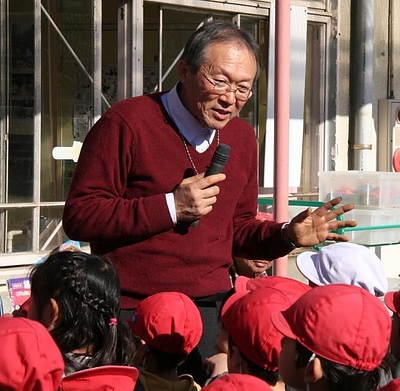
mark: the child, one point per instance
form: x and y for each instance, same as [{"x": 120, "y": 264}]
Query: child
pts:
[
  {"x": 30, "y": 360},
  {"x": 75, "y": 295},
  {"x": 169, "y": 326},
  {"x": 336, "y": 338},
  {"x": 287, "y": 290},
  {"x": 344, "y": 263},
  {"x": 250, "y": 267},
  {"x": 237, "y": 382},
  {"x": 392, "y": 300},
  {"x": 254, "y": 343}
]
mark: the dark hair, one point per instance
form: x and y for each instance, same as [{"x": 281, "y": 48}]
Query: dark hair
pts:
[
  {"x": 271, "y": 377},
  {"x": 343, "y": 377},
  {"x": 217, "y": 31},
  {"x": 87, "y": 290},
  {"x": 167, "y": 361}
]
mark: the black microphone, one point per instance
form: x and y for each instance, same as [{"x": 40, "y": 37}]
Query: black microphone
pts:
[{"x": 216, "y": 166}]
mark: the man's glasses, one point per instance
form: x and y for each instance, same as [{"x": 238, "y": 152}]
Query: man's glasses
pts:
[{"x": 242, "y": 93}]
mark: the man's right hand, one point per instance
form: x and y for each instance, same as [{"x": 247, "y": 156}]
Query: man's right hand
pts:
[{"x": 195, "y": 196}]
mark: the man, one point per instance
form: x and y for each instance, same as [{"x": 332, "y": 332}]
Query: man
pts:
[{"x": 139, "y": 183}]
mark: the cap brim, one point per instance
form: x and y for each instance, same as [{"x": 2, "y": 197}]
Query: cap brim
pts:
[
  {"x": 306, "y": 263},
  {"x": 280, "y": 323},
  {"x": 241, "y": 284},
  {"x": 389, "y": 301}
]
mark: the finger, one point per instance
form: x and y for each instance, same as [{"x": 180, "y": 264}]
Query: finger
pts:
[
  {"x": 333, "y": 202},
  {"x": 194, "y": 178},
  {"x": 212, "y": 180},
  {"x": 336, "y": 237},
  {"x": 334, "y": 213},
  {"x": 334, "y": 224}
]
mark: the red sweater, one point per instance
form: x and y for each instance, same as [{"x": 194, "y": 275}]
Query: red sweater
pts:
[{"x": 130, "y": 159}]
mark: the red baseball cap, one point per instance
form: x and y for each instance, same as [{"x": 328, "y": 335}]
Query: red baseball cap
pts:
[
  {"x": 237, "y": 382},
  {"x": 247, "y": 317},
  {"x": 392, "y": 300},
  {"x": 168, "y": 321},
  {"x": 243, "y": 283},
  {"x": 394, "y": 385},
  {"x": 341, "y": 323},
  {"x": 105, "y": 378},
  {"x": 31, "y": 359}
]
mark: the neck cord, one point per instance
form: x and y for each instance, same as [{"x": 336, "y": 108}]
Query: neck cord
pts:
[{"x": 188, "y": 153}]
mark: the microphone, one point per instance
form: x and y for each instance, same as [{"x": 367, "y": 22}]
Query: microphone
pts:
[{"x": 216, "y": 166}]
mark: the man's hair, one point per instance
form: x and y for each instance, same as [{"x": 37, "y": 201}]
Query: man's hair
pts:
[
  {"x": 342, "y": 377},
  {"x": 217, "y": 31}
]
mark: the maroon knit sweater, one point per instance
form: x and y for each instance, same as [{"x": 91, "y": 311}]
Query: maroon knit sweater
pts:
[{"x": 130, "y": 159}]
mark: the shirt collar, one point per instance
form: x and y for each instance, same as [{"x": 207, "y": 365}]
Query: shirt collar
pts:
[{"x": 188, "y": 125}]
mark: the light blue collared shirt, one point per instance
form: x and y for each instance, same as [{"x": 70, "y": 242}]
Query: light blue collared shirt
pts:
[{"x": 199, "y": 136}]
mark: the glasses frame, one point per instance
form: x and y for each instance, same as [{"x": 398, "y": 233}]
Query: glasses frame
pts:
[{"x": 223, "y": 88}]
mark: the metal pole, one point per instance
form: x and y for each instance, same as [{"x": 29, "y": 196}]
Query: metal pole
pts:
[{"x": 281, "y": 124}]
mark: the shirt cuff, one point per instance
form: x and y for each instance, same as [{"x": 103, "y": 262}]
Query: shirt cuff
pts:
[
  {"x": 169, "y": 197},
  {"x": 285, "y": 238}
]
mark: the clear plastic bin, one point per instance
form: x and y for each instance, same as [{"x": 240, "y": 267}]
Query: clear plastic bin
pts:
[
  {"x": 372, "y": 226},
  {"x": 365, "y": 188}
]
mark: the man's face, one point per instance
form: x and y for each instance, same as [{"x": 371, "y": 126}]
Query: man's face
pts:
[
  {"x": 228, "y": 62},
  {"x": 251, "y": 268}
]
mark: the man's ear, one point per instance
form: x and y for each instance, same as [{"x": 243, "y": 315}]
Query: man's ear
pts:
[
  {"x": 183, "y": 70},
  {"x": 51, "y": 315},
  {"x": 313, "y": 371}
]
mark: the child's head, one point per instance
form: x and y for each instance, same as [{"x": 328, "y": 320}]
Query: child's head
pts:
[
  {"x": 344, "y": 263},
  {"x": 249, "y": 267},
  {"x": 237, "y": 382},
  {"x": 392, "y": 300},
  {"x": 255, "y": 344},
  {"x": 30, "y": 360},
  {"x": 170, "y": 324},
  {"x": 76, "y": 296},
  {"x": 345, "y": 327}
]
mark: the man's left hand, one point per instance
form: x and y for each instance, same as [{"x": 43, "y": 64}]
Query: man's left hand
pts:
[{"x": 309, "y": 228}]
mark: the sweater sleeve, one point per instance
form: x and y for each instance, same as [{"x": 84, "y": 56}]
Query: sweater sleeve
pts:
[
  {"x": 97, "y": 207},
  {"x": 254, "y": 239}
]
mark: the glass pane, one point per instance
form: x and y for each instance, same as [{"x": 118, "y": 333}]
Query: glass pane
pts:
[
  {"x": 21, "y": 68},
  {"x": 51, "y": 232},
  {"x": 67, "y": 91},
  {"x": 19, "y": 230}
]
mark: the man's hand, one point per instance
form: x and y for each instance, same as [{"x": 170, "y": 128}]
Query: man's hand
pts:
[
  {"x": 195, "y": 196},
  {"x": 310, "y": 228}
]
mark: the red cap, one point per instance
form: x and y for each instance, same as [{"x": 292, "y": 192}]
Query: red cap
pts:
[
  {"x": 394, "y": 385},
  {"x": 243, "y": 283},
  {"x": 237, "y": 382},
  {"x": 169, "y": 322},
  {"x": 392, "y": 300},
  {"x": 247, "y": 317},
  {"x": 31, "y": 359},
  {"x": 341, "y": 323},
  {"x": 106, "y": 378}
]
